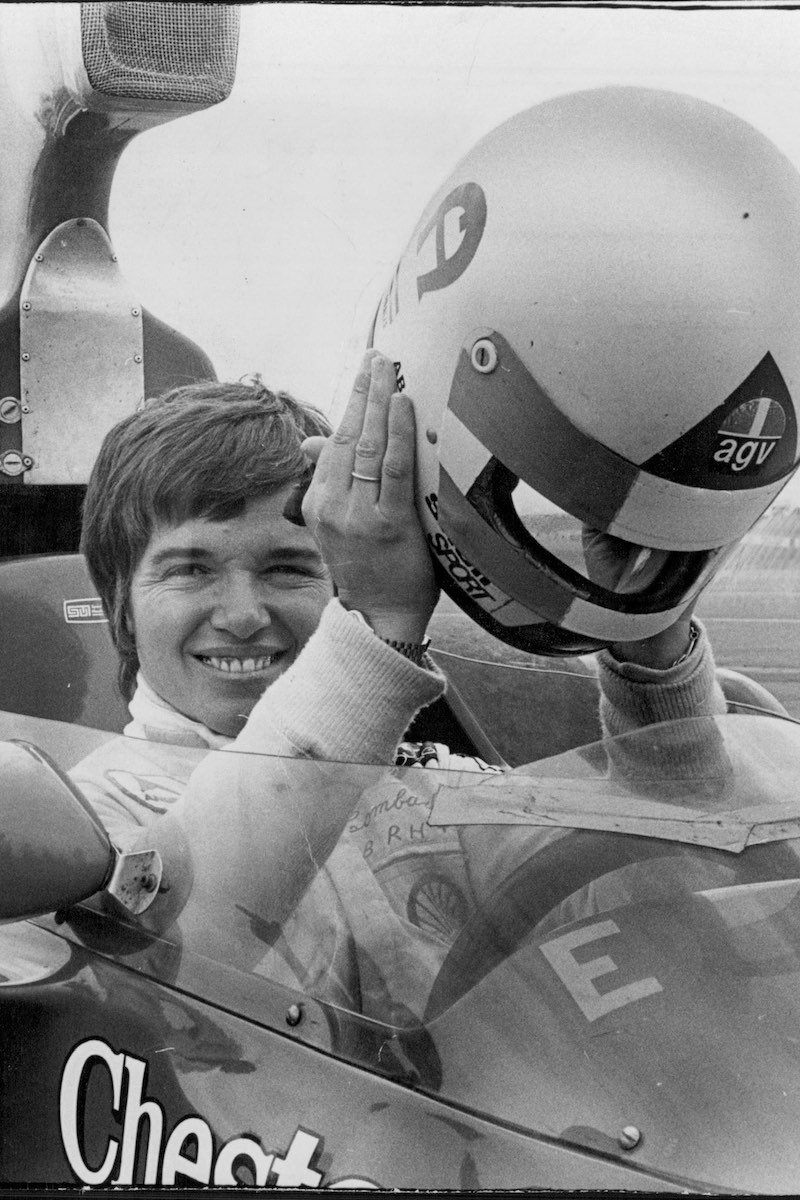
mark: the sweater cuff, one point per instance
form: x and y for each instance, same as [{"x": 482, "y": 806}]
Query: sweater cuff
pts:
[
  {"x": 349, "y": 697},
  {"x": 633, "y": 696}
]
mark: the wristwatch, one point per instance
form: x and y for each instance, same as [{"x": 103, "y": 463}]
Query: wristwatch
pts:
[
  {"x": 413, "y": 651},
  {"x": 694, "y": 634}
]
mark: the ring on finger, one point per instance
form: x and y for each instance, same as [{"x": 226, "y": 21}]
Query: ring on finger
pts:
[{"x": 366, "y": 478}]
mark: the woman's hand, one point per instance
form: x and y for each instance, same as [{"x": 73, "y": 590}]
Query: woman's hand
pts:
[{"x": 360, "y": 507}]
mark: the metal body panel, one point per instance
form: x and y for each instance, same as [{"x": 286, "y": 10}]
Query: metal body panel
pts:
[
  {"x": 191, "y": 1070},
  {"x": 81, "y": 351},
  {"x": 158, "y": 1059},
  {"x": 60, "y": 142}
]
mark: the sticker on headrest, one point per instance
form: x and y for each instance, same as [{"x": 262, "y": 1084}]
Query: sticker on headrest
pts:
[{"x": 84, "y": 612}]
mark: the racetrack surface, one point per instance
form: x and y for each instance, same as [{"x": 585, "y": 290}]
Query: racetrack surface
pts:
[
  {"x": 752, "y": 609},
  {"x": 754, "y": 627}
]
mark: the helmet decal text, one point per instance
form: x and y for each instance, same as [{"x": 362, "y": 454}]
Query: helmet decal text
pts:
[
  {"x": 469, "y": 197},
  {"x": 471, "y": 581},
  {"x": 399, "y": 377},
  {"x": 751, "y": 432},
  {"x": 747, "y": 441}
]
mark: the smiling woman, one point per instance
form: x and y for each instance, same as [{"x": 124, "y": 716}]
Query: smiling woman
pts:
[
  {"x": 211, "y": 590},
  {"x": 220, "y": 608}
]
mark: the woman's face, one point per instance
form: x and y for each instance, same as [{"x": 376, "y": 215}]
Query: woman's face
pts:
[{"x": 219, "y": 609}]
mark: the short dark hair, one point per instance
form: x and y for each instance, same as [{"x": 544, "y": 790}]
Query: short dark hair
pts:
[{"x": 202, "y": 450}]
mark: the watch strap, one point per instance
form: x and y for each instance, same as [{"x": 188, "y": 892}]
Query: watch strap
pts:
[
  {"x": 694, "y": 634},
  {"x": 414, "y": 651}
]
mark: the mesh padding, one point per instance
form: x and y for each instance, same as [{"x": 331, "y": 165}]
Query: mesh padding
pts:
[{"x": 161, "y": 52}]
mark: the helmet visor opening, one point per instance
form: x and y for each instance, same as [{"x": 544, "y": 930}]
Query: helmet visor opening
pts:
[{"x": 601, "y": 567}]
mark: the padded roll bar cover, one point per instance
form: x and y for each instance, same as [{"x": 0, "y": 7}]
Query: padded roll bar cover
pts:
[{"x": 57, "y": 660}]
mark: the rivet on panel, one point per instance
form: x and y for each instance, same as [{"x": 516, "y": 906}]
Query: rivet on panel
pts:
[
  {"x": 484, "y": 356},
  {"x": 294, "y": 1015},
  {"x": 9, "y": 410},
  {"x": 26, "y": 304},
  {"x": 629, "y": 1137},
  {"x": 12, "y": 463}
]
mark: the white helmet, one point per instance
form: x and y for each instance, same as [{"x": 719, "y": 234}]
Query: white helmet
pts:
[{"x": 598, "y": 318}]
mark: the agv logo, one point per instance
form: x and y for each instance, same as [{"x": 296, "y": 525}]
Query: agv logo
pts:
[
  {"x": 750, "y": 440},
  {"x": 749, "y": 434}
]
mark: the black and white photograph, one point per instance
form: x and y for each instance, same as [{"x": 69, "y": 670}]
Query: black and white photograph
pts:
[{"x": 400, "y": 598}]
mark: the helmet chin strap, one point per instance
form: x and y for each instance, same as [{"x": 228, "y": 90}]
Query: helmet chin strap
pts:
[
  {"x": 614, "y": 567},
  {"x": 538, "y": 637}
]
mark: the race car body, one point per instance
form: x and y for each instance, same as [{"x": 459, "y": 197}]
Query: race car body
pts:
[
  {"x": 572, "y": 968},
  {"x": 578, "y": 974}
]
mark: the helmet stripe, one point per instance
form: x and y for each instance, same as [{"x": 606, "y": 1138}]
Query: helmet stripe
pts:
[
  {"x": 517, "y": 422},
  {"x": 494, "y": 558},
  {"x": 511, "y": 416},
  {"x": 544, "y": 597},
  {"x": 604, "y": 623},
  {"x": 462, "y": 455},
  {"x": 672, "y": 516}
]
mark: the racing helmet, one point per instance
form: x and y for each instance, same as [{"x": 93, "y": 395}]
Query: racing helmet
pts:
[{"x": 598, "y": 320}]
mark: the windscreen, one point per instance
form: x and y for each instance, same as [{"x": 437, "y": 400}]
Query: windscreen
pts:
[{"x": 602, "y": 947}]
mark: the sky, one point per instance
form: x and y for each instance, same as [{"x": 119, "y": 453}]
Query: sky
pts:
[{"x": 267, "y": 227}]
